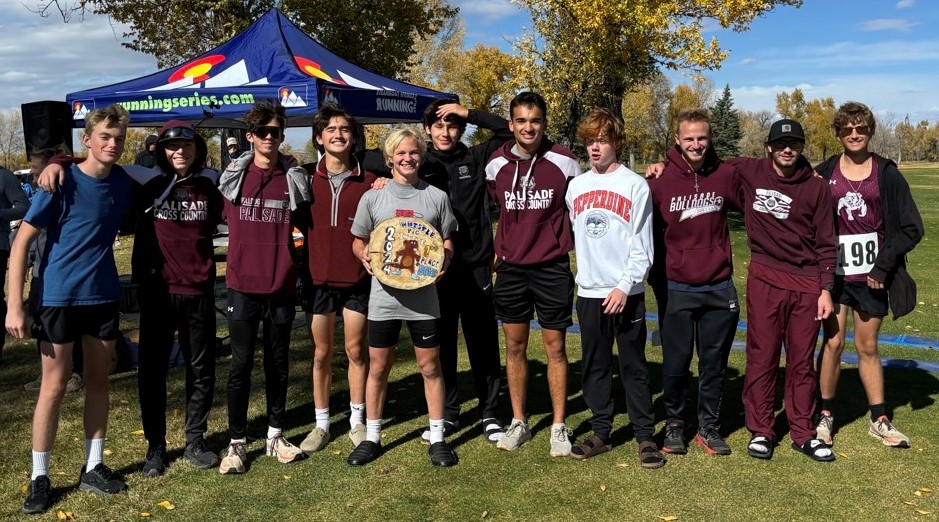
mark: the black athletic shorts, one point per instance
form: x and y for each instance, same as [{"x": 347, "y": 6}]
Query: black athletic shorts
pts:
[
  {"x": 67, "y": 324},
  {"x": 861, "y": 298},
  {"x": 546, "y": 289},
  {"x": 323, "y": 300},
  {"x": 384, "y": 334}
]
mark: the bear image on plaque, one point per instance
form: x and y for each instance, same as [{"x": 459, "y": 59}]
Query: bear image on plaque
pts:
[{"x": 406, "y": 252}]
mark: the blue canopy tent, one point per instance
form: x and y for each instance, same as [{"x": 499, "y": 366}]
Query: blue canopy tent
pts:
[{"x": 272, "y": 58}]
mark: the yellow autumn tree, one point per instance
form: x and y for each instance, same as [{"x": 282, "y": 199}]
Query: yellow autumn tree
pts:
[{"x": 583, "y": 53}]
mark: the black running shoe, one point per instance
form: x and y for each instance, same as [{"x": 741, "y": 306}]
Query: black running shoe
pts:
[
  {"x": 674, "y": 442},
  {"x": 709, "y": 439},
  {"x": 364, "y": 453},
  {"x": 37, "y": 495},
  {"x": 199, "y": 455},
  {"x": 101, "y": 480},
  {"x": 155, "y": 464}
]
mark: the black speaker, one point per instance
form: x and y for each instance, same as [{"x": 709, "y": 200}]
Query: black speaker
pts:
[{"x": 47, "y": 125}]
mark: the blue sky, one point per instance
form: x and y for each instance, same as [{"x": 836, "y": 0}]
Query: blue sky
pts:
[{"x": 880, "y": 52}]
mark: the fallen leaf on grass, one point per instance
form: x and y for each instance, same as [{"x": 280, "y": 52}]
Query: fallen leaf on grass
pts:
[
  {"x": 622, "y": 465},
  {"x": 842, "y": 454},
  {"x": 485, "y": 514},
  {"x": 926, "y": 490},
  {"x": 918, "y": 493},
  {"x": 175, "y": 413},
  {"x": 922, "y": 512},
  {"x": 60, "y": 473},
  {"x": 144, "y": 514},
  {"x": 107, "y": 452},
  {"x": 908, "y": 503},
  {"x": 337, "y": 452},
  {"x": 286, "y": 477},
  {"x": 24, "y": 489},
  {"x": 166, "y": 504},
  {"x": 138, "y": 433},
  {"x": 668, "y": 518},
  {"x": 65, "y": 515},
  {"x": 602, "y": 488}
]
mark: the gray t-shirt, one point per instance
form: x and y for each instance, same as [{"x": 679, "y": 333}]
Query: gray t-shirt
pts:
[{"x": 423, "y": 201}]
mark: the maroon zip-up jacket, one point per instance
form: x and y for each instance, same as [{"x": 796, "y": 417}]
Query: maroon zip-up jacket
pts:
[
  {"x": 692, "y": 207},
  {"x": 788, "y": 220},
  {"x": 329, "y": 240}
]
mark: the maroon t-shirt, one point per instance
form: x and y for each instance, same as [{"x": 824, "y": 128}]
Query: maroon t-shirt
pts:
[
  {"x": 860, "y": 223},
  {"x": 261, "y": 256}
]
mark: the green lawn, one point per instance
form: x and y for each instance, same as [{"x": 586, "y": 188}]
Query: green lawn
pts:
[{"x": 868, "y": 481}]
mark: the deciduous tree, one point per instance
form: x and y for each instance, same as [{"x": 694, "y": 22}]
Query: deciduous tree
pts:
[
  {"x": 378, "y": 36},
  {"x": 583, "y": 53}
]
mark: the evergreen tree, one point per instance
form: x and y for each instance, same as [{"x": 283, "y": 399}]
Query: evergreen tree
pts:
[{"x": 725, "y": 126}]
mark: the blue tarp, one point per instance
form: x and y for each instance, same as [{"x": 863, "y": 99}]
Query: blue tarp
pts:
[{"x": 272, "y": 58}]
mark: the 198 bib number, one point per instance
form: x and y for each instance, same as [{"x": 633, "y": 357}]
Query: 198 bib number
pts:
[{"x": 856, "y": 254}]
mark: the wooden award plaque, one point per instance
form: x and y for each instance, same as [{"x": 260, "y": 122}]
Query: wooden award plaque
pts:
[{"x": 406, "y": 252}]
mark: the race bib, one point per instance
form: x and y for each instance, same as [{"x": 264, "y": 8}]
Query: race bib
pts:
[{"x": 856, "y": 254}]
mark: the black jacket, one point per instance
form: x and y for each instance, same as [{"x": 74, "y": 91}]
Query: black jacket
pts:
[
  {"x": 903, "y": 229},
  {"x": 461, "y": 173}
]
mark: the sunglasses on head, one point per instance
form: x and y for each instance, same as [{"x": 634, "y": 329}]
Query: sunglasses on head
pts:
[
  {"x": 178, "y": 133},
  {"x": 263, "y": 132}
]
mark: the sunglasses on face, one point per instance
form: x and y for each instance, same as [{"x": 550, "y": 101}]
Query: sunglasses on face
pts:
[
  {"x": 784, "y": 144},
  {"x": 862, "y": 130},
  {"x": 263, "y": 132},
  {"x": 178, "y": 133}
]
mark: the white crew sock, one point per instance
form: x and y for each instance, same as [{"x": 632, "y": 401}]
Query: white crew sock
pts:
[
  {"x": 322, "y": 418},
  {"x": 356, "y": 414},
  {"x": 40, "y": 464},
  {"x": 94, "y": 453},
  {"x": 239, "y": 441},
  {"x": 436, "y": 430},
  {"x": 273, "y": 432},
  {"x": 373, "y": 430}
]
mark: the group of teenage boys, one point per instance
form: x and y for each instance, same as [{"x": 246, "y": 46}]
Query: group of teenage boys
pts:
[{"x": 547, "y": 208}]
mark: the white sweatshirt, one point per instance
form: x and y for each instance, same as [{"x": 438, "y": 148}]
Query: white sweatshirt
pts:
[{"x": 611, "y": 216}]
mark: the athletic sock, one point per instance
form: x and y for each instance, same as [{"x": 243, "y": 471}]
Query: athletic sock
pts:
[
  {"x": 356, "y": 414},
  {"x": 322, "y": 418},
  {"x": 436, "y": 430},
  {"x": 523, "y": 421},
  {"x": 828, "y": 405},
  {"x": 373, "y": 430},
  {"x": 878, "y": 411},
  {"x": 40, "y": 464},
  {"x": 242, "y": 440},
  {"x": 273, "y": 432},
  {"x": 94, "y": 453}
]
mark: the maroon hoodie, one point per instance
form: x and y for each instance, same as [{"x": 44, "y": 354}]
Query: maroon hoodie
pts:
[
  {"x": 261, "y": 256},
  {"x": 534, "y": 225},
  {"x": 329, "y": 241},
  {"x": 788, "y": 220},
  {"x": 692, "y": 207}
]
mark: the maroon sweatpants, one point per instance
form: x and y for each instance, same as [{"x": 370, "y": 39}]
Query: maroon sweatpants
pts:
[{"x": 776, "y": 316}]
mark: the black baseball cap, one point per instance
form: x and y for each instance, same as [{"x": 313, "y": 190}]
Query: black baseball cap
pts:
[{"x": 786, "y": 129}]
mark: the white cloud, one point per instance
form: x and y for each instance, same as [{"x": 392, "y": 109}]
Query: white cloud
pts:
[
  {"x": 905, "y": 4},
  {"x": 888, "y": 24},
  {"x": 748, "y": 61},
  {"x": 44, "y": 59}
]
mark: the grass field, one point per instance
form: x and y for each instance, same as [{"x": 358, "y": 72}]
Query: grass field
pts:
[{"x": 868, "y": 481}]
